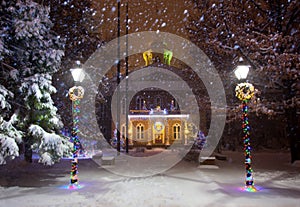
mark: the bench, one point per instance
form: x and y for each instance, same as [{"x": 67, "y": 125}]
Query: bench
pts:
[
  {"x": 207, "y": 160},
  {"x": 97, "y": 156},
  {"x": 221, "y": 157},
  {"x": 108, "y": 160}
]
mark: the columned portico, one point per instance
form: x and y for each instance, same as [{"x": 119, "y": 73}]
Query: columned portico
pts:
[{"x": 158, "y": 129}]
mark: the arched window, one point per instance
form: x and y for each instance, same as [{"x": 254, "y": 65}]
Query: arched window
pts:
[
  {"x": 174, "y": 105},
  {"x": 140, "y": 131},
  {"x": 158, "y": 102},
  {"x": 139, "y": 103},
  {"x": 176, "y": 131}
]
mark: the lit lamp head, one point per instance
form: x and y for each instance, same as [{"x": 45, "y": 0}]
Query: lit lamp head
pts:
[
  {"x": 241, "y": 71},
  {"x": 76, "y": 92},
  {"x": 77, "y": 73}
]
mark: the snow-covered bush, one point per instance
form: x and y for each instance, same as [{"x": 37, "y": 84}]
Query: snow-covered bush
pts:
[
  {"x": 9, "y": 137},
  {"x": 51, "y": 147},
  {"x": 8, "y": 147}
]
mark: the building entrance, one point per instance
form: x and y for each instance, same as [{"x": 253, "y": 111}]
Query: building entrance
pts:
[{"x": 159, "y": 138}]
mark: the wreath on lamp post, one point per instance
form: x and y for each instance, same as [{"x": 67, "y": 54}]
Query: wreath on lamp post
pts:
[
  {"x": 76, "y": 93},
  {"x": 244, "y": 91}
]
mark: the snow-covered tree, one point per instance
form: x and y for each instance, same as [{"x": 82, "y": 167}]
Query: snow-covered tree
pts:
[
  {"x": 74, "y": 20},
  {"x": 10, "y": 137},
  {"x": 31, "y": 55},
  {"x": 266, "y": 34},
  {"x": 43, "y": 118}
]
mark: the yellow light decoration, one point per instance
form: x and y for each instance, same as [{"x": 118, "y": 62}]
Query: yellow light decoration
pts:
[
  {"x": 147, "y": 55},
  {"x": 76, "y": 93},
  {"x": 244, "y": 91}
]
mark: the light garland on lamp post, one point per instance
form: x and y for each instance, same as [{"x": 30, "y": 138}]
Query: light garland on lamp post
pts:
[
  {"x": 76, "y": 94},
  {"x": 244, "y": 92}
]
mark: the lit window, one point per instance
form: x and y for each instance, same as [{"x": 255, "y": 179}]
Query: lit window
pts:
[
  {"x": 176, "y": 131},
  {"x": 140, "y": 131}
]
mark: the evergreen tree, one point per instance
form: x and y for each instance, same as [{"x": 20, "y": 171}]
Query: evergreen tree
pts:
[
  {"x": 10, "y": 137},
  {"x": 78, "y": 22},
  {"x": 32, "y": 54}
]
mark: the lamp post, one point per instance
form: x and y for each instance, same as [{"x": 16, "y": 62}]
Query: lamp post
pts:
[
  {"x": 245, "y": 91},
  {"x": 76, "y": 94}
]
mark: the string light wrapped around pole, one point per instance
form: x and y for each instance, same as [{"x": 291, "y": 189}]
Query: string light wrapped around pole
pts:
[
  {"x": 244, "y": 92},
  {"x": 76, "y": 94}
]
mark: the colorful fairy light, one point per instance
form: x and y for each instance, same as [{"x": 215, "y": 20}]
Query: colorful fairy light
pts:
[
  {"x": 75, "y": 93},
  {"x": 245, "y": 91},
  {"x": 247, "y": 146}
]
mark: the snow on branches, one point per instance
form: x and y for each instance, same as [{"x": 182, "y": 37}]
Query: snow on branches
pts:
[
  {"x": 37, "y": 91},
  {"x": 51, "y": 147},
  {"x": 28, "y": 38},
  {"x": 266, "y": 34},
  {"x": 30, "y": 53},
  {"x": 4, "y": 93},
  {"x": 9, "y": 137}
]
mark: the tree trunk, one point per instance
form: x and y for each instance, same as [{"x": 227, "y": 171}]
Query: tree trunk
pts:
[
  {"x": 292, "y": 121},
  {"x": 27, "y": 150},
  {"x": 292, "y": 132}
]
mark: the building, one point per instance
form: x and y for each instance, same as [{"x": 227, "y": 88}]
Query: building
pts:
[{"x": 155, "y": 120}]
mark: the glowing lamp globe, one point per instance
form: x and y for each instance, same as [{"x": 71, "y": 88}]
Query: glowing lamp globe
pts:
[
  {"x": 78, "y": 74},
  {"x": 241, "y": 71}
]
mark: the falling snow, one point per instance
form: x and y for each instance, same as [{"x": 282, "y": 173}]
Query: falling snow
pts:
[{"x": 217, "y": 30}]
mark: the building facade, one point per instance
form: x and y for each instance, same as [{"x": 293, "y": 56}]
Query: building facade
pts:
[
  {"x": 156, "y": 128},
  {"x": 154, "y": 120}
]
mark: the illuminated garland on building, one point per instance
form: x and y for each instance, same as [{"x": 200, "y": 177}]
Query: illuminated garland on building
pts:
[
  {"x": 245, "y": 91},
  {"x": 75, "y": 93}
]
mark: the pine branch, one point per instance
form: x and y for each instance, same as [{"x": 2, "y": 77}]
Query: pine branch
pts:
[{"x": 8, "y": 66}]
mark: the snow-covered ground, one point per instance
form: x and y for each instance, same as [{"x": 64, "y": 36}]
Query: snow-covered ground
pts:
[{"x": 185, "y": 184}]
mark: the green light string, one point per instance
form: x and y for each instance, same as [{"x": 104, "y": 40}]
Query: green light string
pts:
[
  {"x": 247, "y": 146},
  {"x": 76, "y": 142}
]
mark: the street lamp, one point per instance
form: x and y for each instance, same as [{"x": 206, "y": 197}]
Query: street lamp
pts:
[
  {"x": 245, "y": 91},
  {"x": 76, "y": 94},
  {"x": 241, "y": 71}
]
